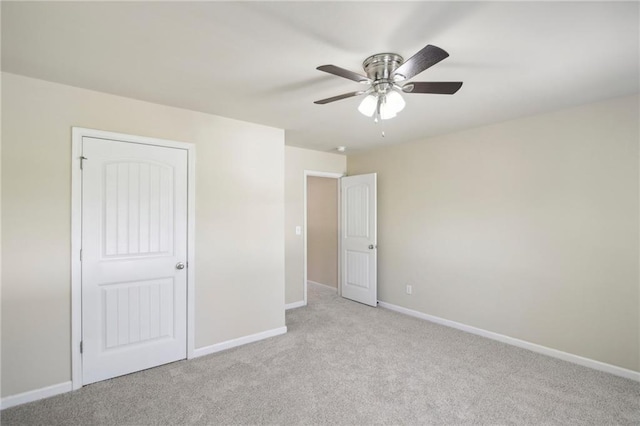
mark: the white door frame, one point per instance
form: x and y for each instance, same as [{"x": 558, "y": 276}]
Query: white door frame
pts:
[
  {"x": 76, "y": 237},
  {"x": 332, "y": 175}
]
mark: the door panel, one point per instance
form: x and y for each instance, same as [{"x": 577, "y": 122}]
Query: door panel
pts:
[
  {"x": 134, "y": 232},
  {"x": 357, "y": 205},
  {"x": 137, "y": 312},
  {"x": 138, "y": 209},
  {"x": 359, "y": 250},
  {"x": 357, "y": 268}
]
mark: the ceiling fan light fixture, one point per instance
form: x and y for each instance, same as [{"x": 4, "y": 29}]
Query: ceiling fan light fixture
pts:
[
  {"x": 390, "y": 104},
  {"x": 368, "y": 105}
]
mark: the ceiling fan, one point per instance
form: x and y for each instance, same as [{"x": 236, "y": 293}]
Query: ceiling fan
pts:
[{"x": 385, "y": 73}]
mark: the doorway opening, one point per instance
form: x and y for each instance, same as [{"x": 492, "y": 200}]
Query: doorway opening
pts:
[
  {"x": 356, "y": 230},
  {"x": 321, "y": 230}
]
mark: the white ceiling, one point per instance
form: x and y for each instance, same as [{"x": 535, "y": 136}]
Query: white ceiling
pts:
[{"x": 255, "y": 61}]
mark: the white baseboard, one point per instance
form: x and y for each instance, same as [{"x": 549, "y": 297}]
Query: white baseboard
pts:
[
  {"x": 323, "y": 285},
  {"x": 238, "y": 342},
  {"x": 294, "y": 305},
  {"x": 565, "y": 356},
  {"x": 34, "y": 395}
]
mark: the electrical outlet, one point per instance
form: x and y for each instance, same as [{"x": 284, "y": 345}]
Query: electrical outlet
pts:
[{"x": 409, "y": 289}]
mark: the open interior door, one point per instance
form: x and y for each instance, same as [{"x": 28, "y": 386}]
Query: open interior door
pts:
[{"x": 359, "y": 238}]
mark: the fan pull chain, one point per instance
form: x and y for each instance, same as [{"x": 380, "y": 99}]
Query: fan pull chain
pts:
[{"x": 376, "y": 120}]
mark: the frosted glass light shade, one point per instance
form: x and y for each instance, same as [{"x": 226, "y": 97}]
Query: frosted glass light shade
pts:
[
  {"x": 386, "y": 112},
  {"x": 368, "y": 105},
  {"x": 395, "y": 101}
]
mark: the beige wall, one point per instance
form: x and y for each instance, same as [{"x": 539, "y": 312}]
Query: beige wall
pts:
[
  {"x": 239, "y": 211},
  {"x": 322, "y": 230},
  {"x": 527, "y": 228},
  {"x": 297, "y": 160}
]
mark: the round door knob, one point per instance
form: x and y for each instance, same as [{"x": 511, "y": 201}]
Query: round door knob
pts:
[{"x": 180, "y": 265}]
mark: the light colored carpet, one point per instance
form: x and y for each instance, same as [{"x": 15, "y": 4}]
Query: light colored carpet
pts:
[{"x": 346, "y": 363}]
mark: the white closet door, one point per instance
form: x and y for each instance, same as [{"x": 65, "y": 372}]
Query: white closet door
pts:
[{"x": 134, "y": 251}]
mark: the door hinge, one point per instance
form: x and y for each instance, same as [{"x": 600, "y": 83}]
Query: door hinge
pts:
[
  {"x": 80, "y": 255},
  {"x": 81, "y": 346},
  {"x": 82, "y": 158}
]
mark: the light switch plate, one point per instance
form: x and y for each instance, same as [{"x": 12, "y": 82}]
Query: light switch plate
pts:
[{"x": 298, "y": 230}]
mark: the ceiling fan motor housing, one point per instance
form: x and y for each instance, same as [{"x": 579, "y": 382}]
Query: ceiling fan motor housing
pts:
[{"x": 380, "y": 68}]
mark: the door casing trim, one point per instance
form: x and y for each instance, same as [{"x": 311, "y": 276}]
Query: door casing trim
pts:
[{"x": 77, "y": 133}]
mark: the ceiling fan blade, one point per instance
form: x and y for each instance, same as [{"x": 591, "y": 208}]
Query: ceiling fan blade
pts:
[
  {"x": 437, "y": 87},
  {"x": 425, "y": 58},
  {"x": 339, "y": 97},
  {"x": 341, "y": 72}
]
